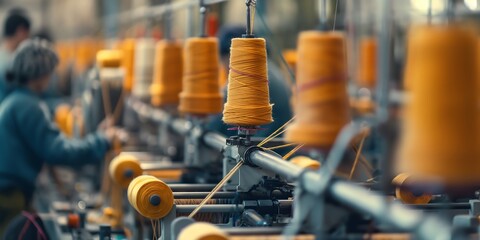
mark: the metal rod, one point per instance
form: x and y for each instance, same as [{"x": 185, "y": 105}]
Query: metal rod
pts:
[
  {"x": 141, "y": 13},
  {"x": 322, "y": 11},
  {"x": 168, "y": 24},
  {"x": 156, "y": 166},
  {"x": 429, "y": 13},
  {"x": 358, "y": 198},
  {"x": 203, "y": 19},
  {"x": 449, "y": 10},
  {"x": 393, "y": 214},
  {"x": 277, "y": 165},
  {"x": 191, "y": 187},
  {"x": 250, "y": 231},
  {"x": 249, "y": 26},
  {"x": 212, "y": 208},
  {"x": 214, "y": 140},
  {"x": 442, "y": 206},
  {"x": 383, "y": 70},
  {"x": 202, "y": 195},
  {"x": 180, "y": 126}
]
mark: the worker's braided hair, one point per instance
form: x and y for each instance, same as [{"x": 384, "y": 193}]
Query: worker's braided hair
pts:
[{"x": 32, "y": 60}]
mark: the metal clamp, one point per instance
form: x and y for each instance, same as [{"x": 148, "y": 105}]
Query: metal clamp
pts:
[{"x": 246, "y": 155}]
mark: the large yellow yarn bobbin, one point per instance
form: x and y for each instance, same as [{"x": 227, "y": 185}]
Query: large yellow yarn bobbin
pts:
[
  {"x": 167, "y": 79},
  {"x": 202, "y": 231},
  {"x": 201, "y": 89},
  {"x": 440, "y": 140},
  {"x": 151, "y": 197},
  {"x": 248, "y": 100},
  {"x": 124, "y": 168},
  {"x": 322, "y": 104}
]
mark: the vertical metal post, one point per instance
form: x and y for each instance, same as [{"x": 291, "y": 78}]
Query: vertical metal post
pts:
[
  {"x": 382, "y": 91},
  {"x": 384, "y": 60},
  {"x": 322, "y": 12},
  {"x": 429, "y": 13},
  {"x": 203, "y": 19},
  {"x": 190, "y": 21},
  {"x": 167, "y": 27},
  {"x": 110, "y": 10},
  {"x": 449, "y": 10}
]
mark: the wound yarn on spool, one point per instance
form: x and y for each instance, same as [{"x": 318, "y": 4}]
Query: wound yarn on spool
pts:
[
  {"x": 439, "y": 139},
  {"x": 248, "y": 100},
  {"x": 151, "y": 197},
  {"x": 306, "y": 162},
  {"x": 367, "y": 66},
  {"x": 202, "y": 231},
  {"x": 144, "y": 57},
  {"x": 124, "y": 168},
  {"x": 167, "y": 80},
  {"x": 406, "y": 196},
  {"x": 201, "y": 90},
  {"x": 322, "y": 104},
  {"x": 128, "y": 50}
]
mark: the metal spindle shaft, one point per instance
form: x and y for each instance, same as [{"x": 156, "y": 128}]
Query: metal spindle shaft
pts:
[{"x": 358, "y": 198}]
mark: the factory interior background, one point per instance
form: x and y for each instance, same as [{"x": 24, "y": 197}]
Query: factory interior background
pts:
[{"x": 239, "y": 119}]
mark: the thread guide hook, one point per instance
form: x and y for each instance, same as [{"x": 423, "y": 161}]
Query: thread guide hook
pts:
[{"x": 251, "y": 4}]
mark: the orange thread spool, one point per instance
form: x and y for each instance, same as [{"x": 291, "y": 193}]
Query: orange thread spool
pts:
[
  {"x": 440, "y": 134},
  {"x": 367, "y": 72},
  {"x": 407, "y": 196},
  {"x": 291, "y": 58},
  {"x": 109, "y": 58},
  {"x": 167, "y": 79},
  {"x": 201, "y": 89},
  {"x": 63, "y": 55},
  {"x": 128, "y": 49},
  {"x": 141, "y": 191},
  {"x": 61, "y": 116},
  {"x": 322, "y": 101},
  {"x": 124, "y": 168},
  {"x": 248, "y": 100},
  {"x": 202, "y": 231},
  {"x": 81, "y": 56}
]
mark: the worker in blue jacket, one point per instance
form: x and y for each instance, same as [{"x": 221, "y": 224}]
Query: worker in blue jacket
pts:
[{"x": 29, "y": 138}]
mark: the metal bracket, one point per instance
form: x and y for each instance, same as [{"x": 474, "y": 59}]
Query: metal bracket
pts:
[
  {"x": 334, "y": 159},
  {"x": 179, "y": 224}
]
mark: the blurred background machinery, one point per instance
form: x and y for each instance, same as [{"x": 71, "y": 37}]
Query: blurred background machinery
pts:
[{"x": 375, "y": 130}]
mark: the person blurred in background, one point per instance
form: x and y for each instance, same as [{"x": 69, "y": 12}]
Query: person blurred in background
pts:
[
  {"x": 56, "y": 93},
  {"x": 28, "y": 137},
  {"x": 280, "y": 93},
  {"x": 16, "y": 29}
]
